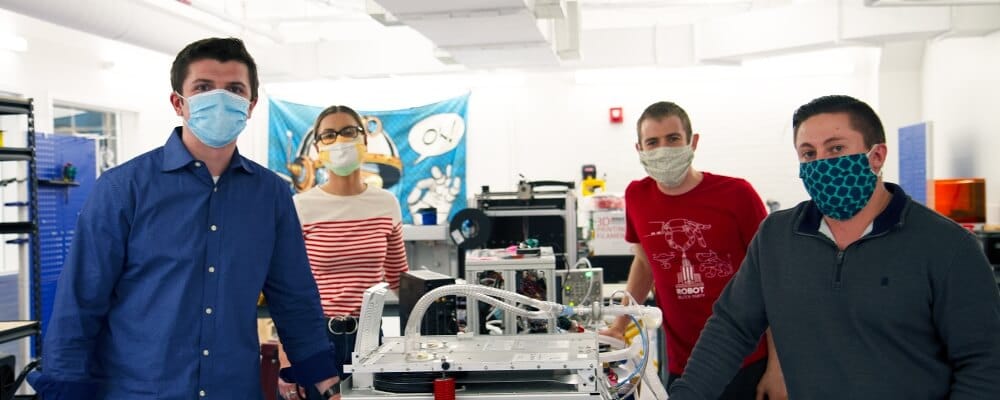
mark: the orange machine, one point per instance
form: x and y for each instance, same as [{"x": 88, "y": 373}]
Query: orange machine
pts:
[{"x": 962, "y": 200}]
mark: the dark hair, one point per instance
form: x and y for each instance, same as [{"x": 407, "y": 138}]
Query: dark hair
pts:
[
  {"x": 334, "y": 110},
  {"x": 661, "y": 110},
  {"x": 219, "y": 49},
  {"x": 862, "y": 118}
]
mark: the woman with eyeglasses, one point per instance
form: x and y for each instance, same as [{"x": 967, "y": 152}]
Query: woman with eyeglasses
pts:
[{"x": 353, "y": 234}]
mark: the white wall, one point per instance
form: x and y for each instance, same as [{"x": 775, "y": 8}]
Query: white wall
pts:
[
  {"x": 68, "y": 66},
  {"x": 546, "y": 125},
  {"x": 900, "y": 95},
  {"x": 962, "y": 98},
  {"x": 64, "y": 65}
]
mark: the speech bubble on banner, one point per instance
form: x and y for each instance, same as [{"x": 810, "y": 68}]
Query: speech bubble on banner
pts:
[{"x": 436, "y": 135}]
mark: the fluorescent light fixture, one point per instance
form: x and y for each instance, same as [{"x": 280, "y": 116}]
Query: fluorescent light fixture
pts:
[
  {"x": 923, "y": 3},
  {"x": 12, "y": 42},
  {"x": 380, "y": 14},
  {"x": 552, "y": 9},
  {"x": 444, "y": 57}
]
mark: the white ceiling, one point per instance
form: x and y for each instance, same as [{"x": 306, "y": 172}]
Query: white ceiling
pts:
[
  {"x": 301, "y": 21},
  {"x": 297, "y": 40}
]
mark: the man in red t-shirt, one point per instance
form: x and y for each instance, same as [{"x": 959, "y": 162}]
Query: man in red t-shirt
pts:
[{"x": 690, "y": 231}]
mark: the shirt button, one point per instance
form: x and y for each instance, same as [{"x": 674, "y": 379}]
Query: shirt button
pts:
[
  {"x": 211, "y": 269},
  {"x": 204, "y": 352},
  {"x": 213, "y": 228},
  {"x": 215, "y": 188},
  {"x": 201, "y": 393},
  {"x": 208, "y": 310},
  {"x": 197, "y": 164}
]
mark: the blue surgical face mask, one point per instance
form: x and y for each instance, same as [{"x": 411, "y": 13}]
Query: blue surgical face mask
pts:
[
  {"x": 217, "y": 117},
  {"x": 839, "y": 186}
]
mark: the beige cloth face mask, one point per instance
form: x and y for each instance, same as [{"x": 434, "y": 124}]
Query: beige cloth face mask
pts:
[{"x": 667, "y": 165}]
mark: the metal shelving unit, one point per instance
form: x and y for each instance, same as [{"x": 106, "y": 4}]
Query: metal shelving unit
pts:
[{"x": 32, "y": 268}]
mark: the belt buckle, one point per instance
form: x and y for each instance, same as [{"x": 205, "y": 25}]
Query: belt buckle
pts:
[{"x": 342, "y": 319}]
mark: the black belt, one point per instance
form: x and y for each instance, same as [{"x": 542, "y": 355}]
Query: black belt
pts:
[{"x": 342, "y": 325}]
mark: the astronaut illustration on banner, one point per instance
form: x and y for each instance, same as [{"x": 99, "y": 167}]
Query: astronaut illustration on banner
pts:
[{"x": 418, "y": 154}]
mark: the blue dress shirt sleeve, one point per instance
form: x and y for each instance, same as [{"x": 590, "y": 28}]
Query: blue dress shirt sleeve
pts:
[
  {"x": 84, "y": 294},
  {"x": 293, "y": 301}
]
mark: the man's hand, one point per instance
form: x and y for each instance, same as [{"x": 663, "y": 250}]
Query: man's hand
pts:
[
  {"x": 290, "y": 391},
  {"x": 772, "y": 384},
  {"x": 321, "y": 386},
  {"x": 613, "y": 333}
]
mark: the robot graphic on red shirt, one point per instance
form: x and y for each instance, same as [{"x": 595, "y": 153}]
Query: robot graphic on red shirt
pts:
[{"x": 682, "y": 234}]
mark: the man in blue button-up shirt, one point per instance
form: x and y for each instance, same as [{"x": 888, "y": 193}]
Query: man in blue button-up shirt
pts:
[{"x": 157, "y": 299}]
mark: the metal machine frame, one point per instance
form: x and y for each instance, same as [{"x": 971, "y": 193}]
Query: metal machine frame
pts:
[
  {"x": 547, "y": 366},
  {"x": 483, "y": 260}
]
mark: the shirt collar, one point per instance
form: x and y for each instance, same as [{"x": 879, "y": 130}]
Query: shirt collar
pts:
[
  {"x": 811, "y": 218},
  {"x": 893, "y": 213},
  {"x": 824, "y": 228},
  {"x": 177, "y": 156}
]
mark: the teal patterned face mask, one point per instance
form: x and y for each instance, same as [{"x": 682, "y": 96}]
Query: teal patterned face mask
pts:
[{"x": 839, "y": 186}]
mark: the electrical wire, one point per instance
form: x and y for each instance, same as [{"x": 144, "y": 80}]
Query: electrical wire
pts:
[
  {"x": 631, "y": 299},
  {"x": 5, "y": 182},
  {"x": 546, "y": 310},
  {"x": 492, "y": 279},
  {"x": 24, "y": 374},
  {"x": 646, "y": 380},
  {"x": 590, "y": 289},
  {"x": 614, "y": 392},
  {"x": 494, "y": 327},
  {"x": 641, "y": 366},
  {"x": 626, "y": 294}
]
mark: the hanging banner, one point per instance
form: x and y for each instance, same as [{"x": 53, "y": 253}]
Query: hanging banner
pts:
[{"x": 418, "y": 153}]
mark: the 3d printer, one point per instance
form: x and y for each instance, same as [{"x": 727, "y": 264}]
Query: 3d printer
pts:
[{"x": 543, "y": 210}]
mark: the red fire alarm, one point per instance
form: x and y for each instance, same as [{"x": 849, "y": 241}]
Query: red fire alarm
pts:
[{"x": 615, "y": 115}]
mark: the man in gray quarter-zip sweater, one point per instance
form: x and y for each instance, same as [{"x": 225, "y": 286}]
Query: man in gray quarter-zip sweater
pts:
[{"x": 868, "y": 294}]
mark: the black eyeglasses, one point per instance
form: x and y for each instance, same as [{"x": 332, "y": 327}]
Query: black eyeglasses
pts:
[{"x": 329, "y": 136}]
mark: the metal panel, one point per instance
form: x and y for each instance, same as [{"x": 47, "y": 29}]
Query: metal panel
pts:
[
  {"x": 58, "y": 206},
  {"x": 916, "y": 153},
  {"x": 568, "y": 351},
  {"x": 489, "y": 29},
  {"x": 402, "y": 7},
  {"x": 49, "y": 240},
  {"x": 486, "y": 33}
]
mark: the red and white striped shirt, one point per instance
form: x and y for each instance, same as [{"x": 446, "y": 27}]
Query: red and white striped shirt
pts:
[{"x": 353, "y": 242}]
